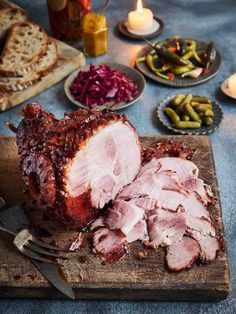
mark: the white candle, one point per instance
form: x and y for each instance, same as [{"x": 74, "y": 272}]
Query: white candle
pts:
[
  {"x": 140, "y": 19},
  {"x": 232, "y": 84}
]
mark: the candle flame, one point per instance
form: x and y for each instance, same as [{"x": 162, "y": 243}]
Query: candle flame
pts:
[{"x": 139, "y": 6}]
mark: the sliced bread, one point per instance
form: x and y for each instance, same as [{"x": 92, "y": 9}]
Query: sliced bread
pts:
[
  {"x": 18, "y": 83},
  {"x": 25, "y": 45},
  {"x": 9, "y": 15},
  {"x": 47, "y": 61}
]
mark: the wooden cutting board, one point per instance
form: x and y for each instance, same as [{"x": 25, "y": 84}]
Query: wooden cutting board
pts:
[
  {"x": 70, "y": 59},
  {"x": 130, "y": 278}
]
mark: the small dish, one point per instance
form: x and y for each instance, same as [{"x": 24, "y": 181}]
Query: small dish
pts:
[
  {"x": 133, "y": 74},
  {"x": 124, "y": 31},
  {"x": 225, "y": 90},
  {"x": 178, "y": 81},
  {"x": 203, "y": 130}
]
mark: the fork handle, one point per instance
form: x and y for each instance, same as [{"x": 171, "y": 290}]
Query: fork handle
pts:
[{"x": 7, "y": 231}]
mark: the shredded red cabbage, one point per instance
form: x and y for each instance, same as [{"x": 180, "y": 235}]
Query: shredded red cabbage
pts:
[{"x": 103, "y": 84}]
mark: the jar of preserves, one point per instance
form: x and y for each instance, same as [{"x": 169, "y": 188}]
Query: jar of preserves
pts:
[
  {"x": 66, "y": 17},
  {"x": 95, "y": 34}
]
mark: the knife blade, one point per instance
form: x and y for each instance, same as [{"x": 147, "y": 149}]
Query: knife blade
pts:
[{"x": 15, "y": 219}]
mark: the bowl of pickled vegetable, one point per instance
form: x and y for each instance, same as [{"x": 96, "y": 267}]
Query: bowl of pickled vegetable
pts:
[
  {"x": 179, "y": 62},
  {"x": 190, "y": 114}
]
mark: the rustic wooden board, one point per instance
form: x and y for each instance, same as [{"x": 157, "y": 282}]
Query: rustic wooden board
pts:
[
  {"x": 130, "y": 278},
  {"x": 70, "y": 59}
]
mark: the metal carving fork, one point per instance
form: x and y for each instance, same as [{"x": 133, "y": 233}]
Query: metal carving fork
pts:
[{"x": 32, "y": 247}]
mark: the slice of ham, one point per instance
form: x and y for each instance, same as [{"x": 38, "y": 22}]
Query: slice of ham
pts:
[
  {"x": 182, "y": 254},
  {"x": 98, "y": 223},
  {"x": 209, "y": 244},
  {"x": 203, "y": 190},
  {"x": 166, "y": 227},
  {"x": 150, "y": 181},
  {"x": 191, "y": 203},
  {"x": 110, "y": 245},
  {"x": 182, "y": 167},
  {"x": 139, "y": 232},
  {"x": 124, "y": 215}
]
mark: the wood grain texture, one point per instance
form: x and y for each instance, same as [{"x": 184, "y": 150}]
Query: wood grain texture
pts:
[
  {"x": 70, "y": 59},
  {"x": 130, "y": 278}
]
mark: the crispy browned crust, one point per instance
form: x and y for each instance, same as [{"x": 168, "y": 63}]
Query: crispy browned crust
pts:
[{"x": 21, "y": 70}]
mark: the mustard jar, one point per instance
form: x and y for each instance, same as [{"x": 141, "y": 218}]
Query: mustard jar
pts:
[{"x": 95, "y": 34}]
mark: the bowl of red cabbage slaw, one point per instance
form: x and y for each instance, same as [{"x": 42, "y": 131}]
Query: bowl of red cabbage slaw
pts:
[{"x": 107, "y": 85}]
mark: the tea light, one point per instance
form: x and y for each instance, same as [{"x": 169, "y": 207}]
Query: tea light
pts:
[
  {"x": 229, "y": 86},
  {"x": 141, "y": 21},
  {"x": 232, "y": 84}
]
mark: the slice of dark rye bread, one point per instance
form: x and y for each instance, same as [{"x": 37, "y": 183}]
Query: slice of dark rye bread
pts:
[
  {"x": 43, "y": 66},
  {"x": 26, "y": 43},
  {"x": 9, "y": 15}
]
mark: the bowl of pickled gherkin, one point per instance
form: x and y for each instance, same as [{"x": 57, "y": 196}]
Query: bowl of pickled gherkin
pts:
[
  {"x": 190, "y": 114},
  {"x": 178, "y": 61}
]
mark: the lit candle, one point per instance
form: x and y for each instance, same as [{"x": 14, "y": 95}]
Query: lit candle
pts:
[
  {"x": 232, "y": 84},
  {"x": 140, "y": 19}
]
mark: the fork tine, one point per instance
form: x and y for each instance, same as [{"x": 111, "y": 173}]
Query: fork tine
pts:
[
  {"x": 37, "y": 249},
  {"x": 34, "y": 255},
  {"x": 43, "y": 244}
]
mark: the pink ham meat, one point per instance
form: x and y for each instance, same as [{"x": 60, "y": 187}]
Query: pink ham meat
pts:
[
  {"x": 166, "y": 205},
  {"x": 139, "y": 232},
  {"x": 165, "y": 227},
  {"x": 187, "y": 173},
  {"x": 124, "y": 216},
  {"x": 183, "y": 168},
  {"x": 198, "y": 220},
  {"x": 110, "y": 245},
  {"x": 182, "y": 254},
  {"x": 208, "y": 243},
  {"x": 203, "y": 190}
]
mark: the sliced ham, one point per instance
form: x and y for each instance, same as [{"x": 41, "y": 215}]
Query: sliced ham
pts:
[
  {"x": 110, "y": 245},
  {"x": 209, "y": 244},
  {"x": 98, "y": 223},
  {"x": 124, "y": 215},
  {"x": 203, "y": 190},
  {"x": 182, "y": 167},
  {"x": 166, "y": 205},
  {"x": 166, "y": 227},
  {"x": 182, "y": 254},
  {"x": 191, "y": 203},
  {"x": 139, "y": 232}
]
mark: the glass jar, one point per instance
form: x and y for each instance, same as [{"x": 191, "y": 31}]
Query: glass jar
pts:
[
  {"x": 66, "y": 17},
  {"x": 95, "y": 34}
]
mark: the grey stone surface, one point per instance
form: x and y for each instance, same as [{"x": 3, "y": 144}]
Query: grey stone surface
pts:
[{"x": 201, "y": 19}]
